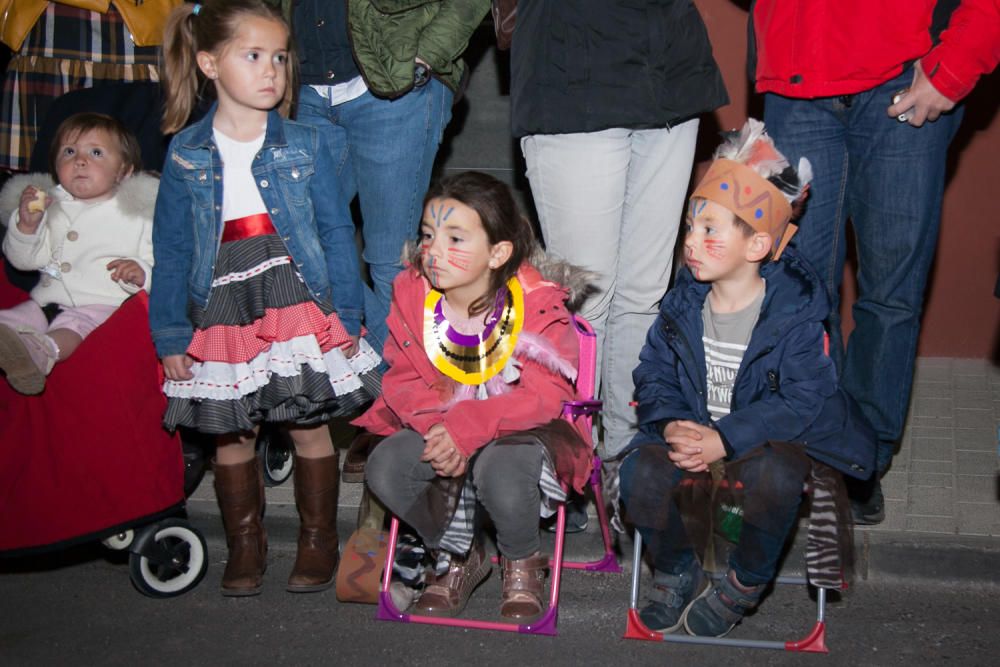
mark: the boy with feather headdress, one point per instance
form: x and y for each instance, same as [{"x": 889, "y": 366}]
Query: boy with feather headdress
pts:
[{"x": 735, "y": 370}]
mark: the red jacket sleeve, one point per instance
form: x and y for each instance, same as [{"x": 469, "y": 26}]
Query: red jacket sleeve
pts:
[
  {"x": 535, "y": 399},
  {"x": 969, "y": 48},
  {"x": 411, "y": 403}
]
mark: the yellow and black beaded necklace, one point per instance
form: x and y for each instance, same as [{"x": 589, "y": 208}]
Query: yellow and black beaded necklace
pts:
[{"x": 474, "y": 359}]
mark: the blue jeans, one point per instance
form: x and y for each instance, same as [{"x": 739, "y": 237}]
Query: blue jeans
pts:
[
  {"x": 772, "y": 477},
  {"x": 888, "y": 178},
  {"x": 387, "y": 150}
]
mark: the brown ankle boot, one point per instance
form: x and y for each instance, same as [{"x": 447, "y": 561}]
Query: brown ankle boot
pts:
[
  {"x": 239, "y": 489},
  {"x": 447, "y": 594},
  {"x": 523, "y": 583},
  {"x": 316, "y": 486}
]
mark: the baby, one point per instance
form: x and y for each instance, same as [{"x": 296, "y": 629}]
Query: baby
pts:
[{"x": 90, "y": 236}]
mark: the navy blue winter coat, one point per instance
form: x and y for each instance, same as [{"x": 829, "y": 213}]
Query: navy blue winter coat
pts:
[{"x": 786, "y": 389}]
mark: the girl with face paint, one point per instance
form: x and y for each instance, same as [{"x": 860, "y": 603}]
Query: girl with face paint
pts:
[{"x": 482, "y": 354}]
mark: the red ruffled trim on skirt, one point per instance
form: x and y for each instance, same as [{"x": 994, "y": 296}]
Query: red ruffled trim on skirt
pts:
[{"x": 240, "y": 344}]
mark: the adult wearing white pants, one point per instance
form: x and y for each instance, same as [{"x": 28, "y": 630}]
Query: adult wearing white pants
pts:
[{"x": 605, "y": 97}]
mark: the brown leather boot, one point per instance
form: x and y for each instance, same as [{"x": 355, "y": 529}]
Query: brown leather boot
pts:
[
  {"x": 357, "y": 456},
  {"x": 239, "y": 489},
  {"x": 316, "y": 487},
  {"x": 523, "y": 583}
]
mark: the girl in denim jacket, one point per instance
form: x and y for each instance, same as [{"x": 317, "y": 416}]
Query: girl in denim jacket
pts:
[{"x": 257, "y": 314}]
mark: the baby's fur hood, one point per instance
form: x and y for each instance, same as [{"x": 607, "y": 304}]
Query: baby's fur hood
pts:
[{"x": 136, "y": 195}]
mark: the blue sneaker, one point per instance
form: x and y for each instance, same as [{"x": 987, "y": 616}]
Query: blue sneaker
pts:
[
  {"x": 671, "y": 594},
  {"x": 717, "y": 611}
]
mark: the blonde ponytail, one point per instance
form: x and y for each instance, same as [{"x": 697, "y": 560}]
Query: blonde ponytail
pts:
[{"x": 213, "y": 25}]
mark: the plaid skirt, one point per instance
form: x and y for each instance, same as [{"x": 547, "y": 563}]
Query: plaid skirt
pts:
[{"x": 67, "y": 49}]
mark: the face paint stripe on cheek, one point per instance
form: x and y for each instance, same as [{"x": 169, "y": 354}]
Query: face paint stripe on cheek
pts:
[
  {"x": 715, "y": 248},
  {"x": 459, "y": 259}
]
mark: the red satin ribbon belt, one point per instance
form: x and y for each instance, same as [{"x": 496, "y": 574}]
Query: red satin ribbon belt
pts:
[{"x": 258, "y": 224}]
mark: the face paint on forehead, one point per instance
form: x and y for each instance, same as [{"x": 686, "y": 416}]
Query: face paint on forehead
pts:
[
  {"x": 697, "y": 206},
  {"x": 439, "y": 214}
]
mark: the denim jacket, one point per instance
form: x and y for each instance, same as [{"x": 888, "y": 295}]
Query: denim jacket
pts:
[{"x": 310, "y": 214}]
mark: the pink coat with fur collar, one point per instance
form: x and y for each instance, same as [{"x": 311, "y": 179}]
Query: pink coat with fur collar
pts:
[{"x": 417, "y": 396}]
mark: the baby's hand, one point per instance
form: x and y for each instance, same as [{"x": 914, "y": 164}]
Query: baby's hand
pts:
[
  {"x": 31, "y": 209},
  {"x": 127, "y": 270},
  {"x": 178, "y": 367}
]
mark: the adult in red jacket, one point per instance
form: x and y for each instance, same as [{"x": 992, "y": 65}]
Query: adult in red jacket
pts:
[{"x": 870, "y": 92}]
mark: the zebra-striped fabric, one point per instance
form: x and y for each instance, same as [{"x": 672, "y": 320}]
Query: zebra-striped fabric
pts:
[{"x": 830, "y": 540}]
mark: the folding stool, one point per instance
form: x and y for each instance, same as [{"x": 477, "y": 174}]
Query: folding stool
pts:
[
  {"x": 580, "y": 412},
  {"x": 829, "y": 543}
]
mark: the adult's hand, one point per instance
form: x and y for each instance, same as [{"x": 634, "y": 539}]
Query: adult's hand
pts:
[{"x": 921, "y": 102}]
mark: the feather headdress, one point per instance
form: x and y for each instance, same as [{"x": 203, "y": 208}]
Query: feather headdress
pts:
[
  {"x": 755, "y": 181},
  {"x": 751, "y": 146}
]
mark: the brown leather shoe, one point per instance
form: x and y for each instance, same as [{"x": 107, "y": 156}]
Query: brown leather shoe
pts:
[
  {"x": 316, "y": 486},
  {"x": 523, "y": 583},
  {"x": 239, "y": 489},
  {"x": 447, "y": 594},
  {"x": 357, "y": 456}
]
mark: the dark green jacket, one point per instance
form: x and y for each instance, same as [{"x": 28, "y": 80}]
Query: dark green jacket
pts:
[{"x": 388, "y": 35}]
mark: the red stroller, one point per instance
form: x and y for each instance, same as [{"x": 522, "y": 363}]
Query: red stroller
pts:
[{"x": 88, "y": 460}]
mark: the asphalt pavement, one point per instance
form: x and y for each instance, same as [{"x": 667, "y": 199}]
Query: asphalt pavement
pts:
[{"x": 925, "y": 586}]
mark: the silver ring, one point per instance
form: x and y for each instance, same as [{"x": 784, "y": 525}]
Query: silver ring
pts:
[{"x": 902, "y": 118}]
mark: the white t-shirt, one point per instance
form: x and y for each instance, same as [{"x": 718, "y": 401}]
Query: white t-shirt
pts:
[{"x": 240, "y": 196}]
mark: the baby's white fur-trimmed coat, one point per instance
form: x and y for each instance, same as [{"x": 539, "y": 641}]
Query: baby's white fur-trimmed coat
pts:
[{"x": 80, "y": 239}]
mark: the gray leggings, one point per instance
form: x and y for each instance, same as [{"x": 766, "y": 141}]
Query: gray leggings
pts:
[{"x": 505, "y": 477}]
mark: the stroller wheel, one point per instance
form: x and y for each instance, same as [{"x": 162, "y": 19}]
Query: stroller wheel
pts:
[
  {"x": 119, "y": 541},
  {"x": 168, "y": 559},
  {"x": 274, "y": 448}
]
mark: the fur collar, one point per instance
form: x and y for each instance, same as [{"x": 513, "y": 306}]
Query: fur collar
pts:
[{"x": 136, "y": 195}]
